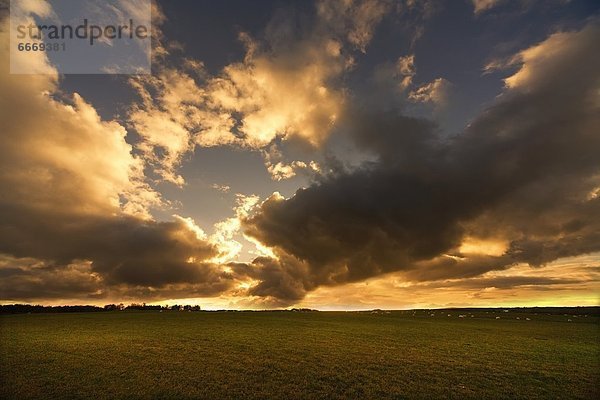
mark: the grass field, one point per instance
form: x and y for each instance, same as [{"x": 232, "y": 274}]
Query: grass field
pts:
[{"x": 263, "y": 355}]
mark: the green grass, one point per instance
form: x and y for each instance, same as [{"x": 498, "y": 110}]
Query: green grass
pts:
[{"x": 264, "y": 355}]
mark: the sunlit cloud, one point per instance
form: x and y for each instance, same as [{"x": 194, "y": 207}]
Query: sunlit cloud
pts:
[
  {"x": 380, "y": 206},
  {"x": 435, "y": 92},
  {"x": 572, "y": 281},
  {"x": 242, "y": 106}
]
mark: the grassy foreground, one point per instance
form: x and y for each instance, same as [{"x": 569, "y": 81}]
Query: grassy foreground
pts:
[{"x": 264, "y": 355}]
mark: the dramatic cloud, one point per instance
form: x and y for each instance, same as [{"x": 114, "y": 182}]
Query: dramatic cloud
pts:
[
  {"x": 172, "y": 119},
  {"x": 298, "y": 71},
  {"x": 242, "y": 106},
  {"x": 521, "y": 173},
  {"x": 393, "y": 204},
  {"x": 75, "y": 205}
]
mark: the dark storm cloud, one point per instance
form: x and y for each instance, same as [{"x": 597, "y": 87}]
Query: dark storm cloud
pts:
[
  {"x": 284, "y": 279},
  {"x": 33, "y": 280},
  {"x": 28, "y": 278},
  {"x": 122, "y": 251},
  {"x": 523, "y": 170}
]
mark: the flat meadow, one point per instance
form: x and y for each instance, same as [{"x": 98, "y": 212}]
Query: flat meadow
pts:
[{"x": 418, "y": 354}]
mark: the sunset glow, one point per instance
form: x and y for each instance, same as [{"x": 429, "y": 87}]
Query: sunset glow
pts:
[{"x": 336, "y": 155}]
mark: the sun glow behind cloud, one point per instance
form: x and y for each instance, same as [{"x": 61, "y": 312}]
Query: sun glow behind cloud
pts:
[{"x": 427, "y": 221}]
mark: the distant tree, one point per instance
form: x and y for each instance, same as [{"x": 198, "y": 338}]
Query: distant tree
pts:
[{"x": 27, "y": 308}]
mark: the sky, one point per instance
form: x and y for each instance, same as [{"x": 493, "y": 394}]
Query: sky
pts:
[{"x": 337, "y": 155}]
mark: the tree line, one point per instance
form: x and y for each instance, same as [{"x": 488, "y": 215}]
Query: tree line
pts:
[{"x": 31, "y": 309}]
